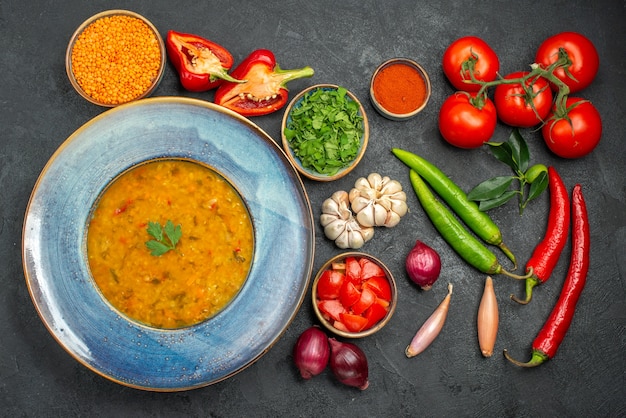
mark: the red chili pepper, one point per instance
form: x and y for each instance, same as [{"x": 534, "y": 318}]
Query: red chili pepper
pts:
[
  {"x": 551, "y": 335},
  {"x": 201, "y": 64},
  {"x": 264, "y": 91},
  {"x": 548, "y": 251}
]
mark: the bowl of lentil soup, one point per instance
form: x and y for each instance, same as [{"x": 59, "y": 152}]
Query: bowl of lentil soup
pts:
[
  {"x": 115, "y": 57},
  {"x": 74, "y": 308},
  {"x": 399, "y": 89},
  {"x": 163, "y": 273},
  {"x": 325, "y": 132}
]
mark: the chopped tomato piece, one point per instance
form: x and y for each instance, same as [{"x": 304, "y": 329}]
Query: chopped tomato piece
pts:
[
  {"x": 354, "y": 323},
  {"x": 349, "y": 294},
  {"x": 383, "y": 302},
  {"x": 370, "y": 269},
  {"x": 375, "y": 313},
  {"x": 331, "y": 309},
  {"x": 340, "y": 326},
  {"x": 329, "y": 284},
  {"x": 380, "y": 286},
  {"x": 339, "y": 266},
  {"x": 353, "y": 270},
  {"x": 368, "y": 297}
]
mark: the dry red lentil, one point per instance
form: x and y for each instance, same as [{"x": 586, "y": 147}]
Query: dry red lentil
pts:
[{"x": 116, "y": 59}]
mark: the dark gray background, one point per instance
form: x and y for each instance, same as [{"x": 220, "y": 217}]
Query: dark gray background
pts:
[{"x": 344, "y": 41}]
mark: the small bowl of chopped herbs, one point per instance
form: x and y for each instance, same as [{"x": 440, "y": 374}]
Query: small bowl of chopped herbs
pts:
[{"x": 325, "y": 132}]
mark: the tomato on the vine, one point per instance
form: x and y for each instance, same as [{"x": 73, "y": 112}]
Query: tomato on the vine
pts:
[
  {"x": 576, "y": 134},
  {"x": 465, "y": 125},
  {"x": 470, "y": 52},
  {"x": 581, "y": 52},
  {"x": 516, "y": 108}
]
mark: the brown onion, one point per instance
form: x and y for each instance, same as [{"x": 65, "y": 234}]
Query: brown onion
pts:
[
  {"x": 349, "y": 364},
  {"x": 311, "y": 352},
  {"x": 423, "y": 265},
  {"x": 487, "y": 319}
]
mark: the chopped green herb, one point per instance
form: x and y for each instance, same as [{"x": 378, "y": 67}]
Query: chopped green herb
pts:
[
  {"x": 325, "y": 130},
  {"x": 165, "y": 238}
]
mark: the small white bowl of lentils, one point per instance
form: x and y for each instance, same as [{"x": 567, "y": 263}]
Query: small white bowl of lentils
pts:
[{"x": 115, "y": 57}]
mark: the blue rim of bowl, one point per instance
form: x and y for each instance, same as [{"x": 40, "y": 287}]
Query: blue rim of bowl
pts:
[
  {"x": 54, "y": 232},
  {"x": 312, "y": 174}
]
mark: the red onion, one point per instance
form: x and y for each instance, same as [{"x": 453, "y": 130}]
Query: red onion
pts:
[
  {"x": 311, "y": 352},
  {"x": 349, "y": 364},
  {"x": 423, "y": 265}
]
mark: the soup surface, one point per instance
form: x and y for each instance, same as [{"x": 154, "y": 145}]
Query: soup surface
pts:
[{"x": 189, "y": 281}]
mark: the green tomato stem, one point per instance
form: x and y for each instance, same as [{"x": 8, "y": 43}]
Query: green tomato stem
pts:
[{"x": 560, "y": 109}]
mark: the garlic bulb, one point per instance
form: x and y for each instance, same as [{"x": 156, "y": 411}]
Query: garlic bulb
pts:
[
  {"x": 339, "y": 224},
  {"x": 378, "y": 201}
]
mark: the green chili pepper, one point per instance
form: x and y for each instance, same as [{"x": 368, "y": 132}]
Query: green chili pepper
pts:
[
  {"x": 466, "y": 209},
  {"x": 451, "y": 229}
]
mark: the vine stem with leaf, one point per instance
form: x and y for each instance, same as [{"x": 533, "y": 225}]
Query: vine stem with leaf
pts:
[{"x": 496, "y": 191}]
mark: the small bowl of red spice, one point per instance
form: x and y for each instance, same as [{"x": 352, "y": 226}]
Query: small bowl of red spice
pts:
[
  {"x": 400, "y": 88},
  {"x": 115, "y": 57}
]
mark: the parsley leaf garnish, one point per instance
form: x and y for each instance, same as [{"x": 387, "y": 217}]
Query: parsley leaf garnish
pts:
[{"x": 165, "y": 238}]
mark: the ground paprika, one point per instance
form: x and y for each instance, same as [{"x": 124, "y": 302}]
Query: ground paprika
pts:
[{"x": 399, "y": 88}]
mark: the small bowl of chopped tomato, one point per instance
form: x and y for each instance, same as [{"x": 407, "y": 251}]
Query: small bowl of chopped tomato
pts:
[
  {"x": 354, "y": 295},
  {"x": 325, "y": 132},
  {"x": 115, "y": 57}
]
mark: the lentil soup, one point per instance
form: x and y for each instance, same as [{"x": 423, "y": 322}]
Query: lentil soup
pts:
[{"x": 207, "y": 266}]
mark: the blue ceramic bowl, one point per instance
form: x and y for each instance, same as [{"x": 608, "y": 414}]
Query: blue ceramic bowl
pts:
[{"x": 57, "y": 270}]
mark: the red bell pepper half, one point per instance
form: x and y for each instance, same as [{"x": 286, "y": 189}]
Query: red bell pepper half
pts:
[
  {"x": 201, "y": 64},
  {"x": 265, "y": 88}
]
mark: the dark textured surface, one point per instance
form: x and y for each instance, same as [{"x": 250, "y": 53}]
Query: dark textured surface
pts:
[{"x": 344, "y": 42}]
